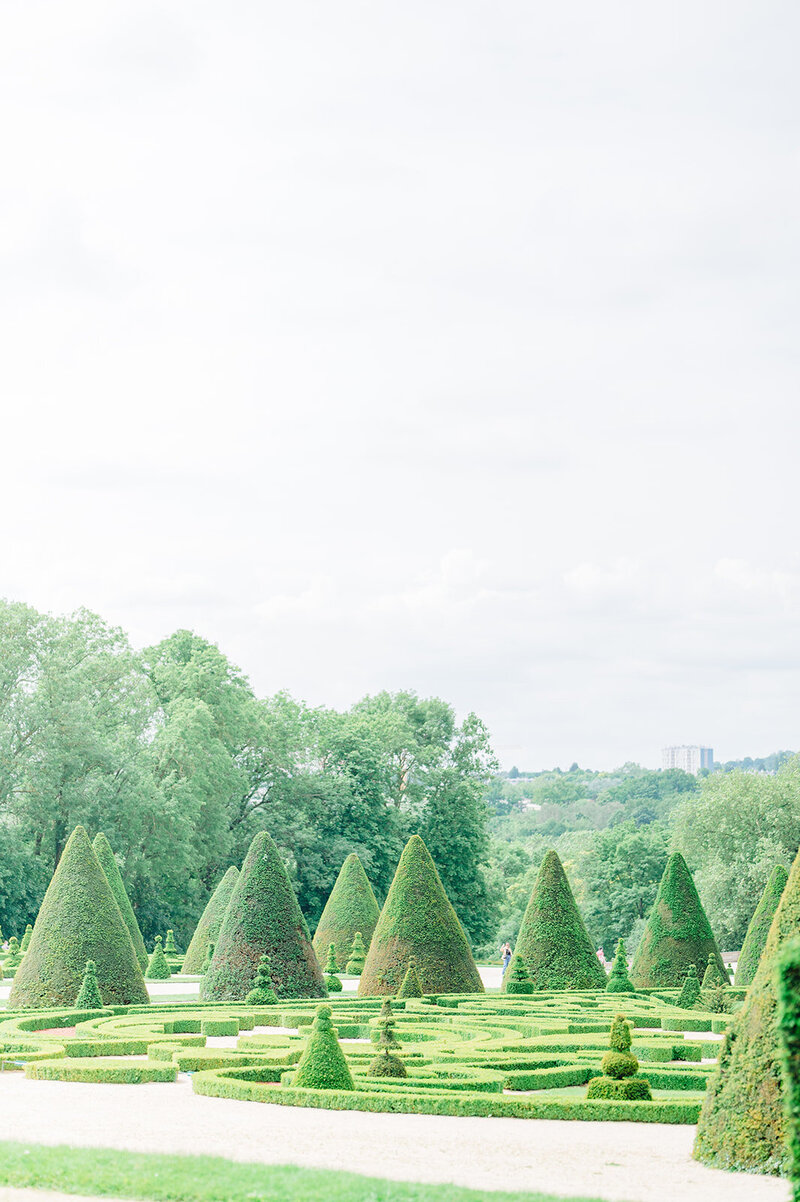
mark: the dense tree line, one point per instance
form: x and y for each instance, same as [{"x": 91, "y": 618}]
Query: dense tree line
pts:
[{"x": 170, "y": 753}]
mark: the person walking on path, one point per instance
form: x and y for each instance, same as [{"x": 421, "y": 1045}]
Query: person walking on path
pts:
[{"x": 505, "y": 952}]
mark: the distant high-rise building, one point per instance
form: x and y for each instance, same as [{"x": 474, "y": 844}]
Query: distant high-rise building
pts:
[{"x": 690, "y": 759}]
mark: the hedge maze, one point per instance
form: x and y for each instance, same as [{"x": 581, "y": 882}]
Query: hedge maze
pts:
[{"x": 528, "y": 1056}]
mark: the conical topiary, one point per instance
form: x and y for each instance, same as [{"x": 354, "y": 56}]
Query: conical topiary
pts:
[
  {"x": 516, "y": 978},
  {"x": 79, "y": 920},
  {"x": 418, "y": 920},
  {"x": 170, "y": 946},
  {"x": 620, "y": 1066},
  {"x": 262, "y": 993},
  {"x": 387, "y": 1063},
  {"x": 742, "y": 1124},
  {"x": 788, "y": 980},
  {"x": 108, "y": 862},
  {"x": 553, "y": 940},
  {"x": 207, "y": 929},
  {"x": 618, "y": 979},
  {"x": 757, "y": 931},
  {"x": 263, "y": 918},
  {"x": 322, "y": 1065},
  {"x": 712, "y": 977},
  {"x": 351, "y": 907},
  {"x": 158, "y": 969},
  {"x": 358, "y": 954},
  {"x": 676, "y": 935},
  {"x": 690, "y": 990},
  {"x": 410, "y": 986},
  {"x": 89, "y": 997},
  {"x": 208, "y": 959},
  {"x": 26, "y": 938}
]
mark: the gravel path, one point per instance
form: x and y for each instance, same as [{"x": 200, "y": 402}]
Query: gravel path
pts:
[{"x": 622, "y": 1162}]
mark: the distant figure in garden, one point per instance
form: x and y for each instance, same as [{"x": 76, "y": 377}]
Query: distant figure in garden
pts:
[{"x": 505, "y": 952}]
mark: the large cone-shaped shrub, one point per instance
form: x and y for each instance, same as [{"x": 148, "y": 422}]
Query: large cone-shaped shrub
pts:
[
  {"x": 210, "y": 922},
  {"x": 553, "y": 940},
  {"x": 742, "y": 1124},
  {"x": 79, "y": 920},
  {"x": 676, "y": 935},
  {"x": 263, "y": 919},
  {"x": 417, "y": 920},
  {"x": 756, "y": 937},
  {"x": 351, "y": 907},
  {"x": 102, "y": 849}
]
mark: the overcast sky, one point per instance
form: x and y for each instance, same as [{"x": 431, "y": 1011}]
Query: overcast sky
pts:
[{"x": 443, "y": 346}]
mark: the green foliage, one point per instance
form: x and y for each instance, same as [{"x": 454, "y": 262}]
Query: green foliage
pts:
[
  {"x": 208, "y": 959},
  {"x": 262, "y": 993},
  {"x": 358, "y": 954},
  {"x": 322, "y": 1064},
  {"x": 553, "y": 940},
  {"x": 207, "y": 929},
  {"x": 158, "y": 969},
  {"x": 712, "y": 977},
  {"x": 79, "y": 920},
  {"x": 756, "y": 937},
  {"x": 331, "y": 965},
  {"x": 516, "y": 978},
  {"x": 410, "y": 986},
  {"x": 263, "y": 918},
  {"x": 102, "y": 849},
  {"x": 170, "y": 946},
  {"x": 690, "y": 990},
  {"x": 89, "y": 997},
  {"x": 621, "y": 873},
  {"x": 733, "y": 834},
  {"x": 788, "y": 989},
  {"x": 620, "y": 1066},
  {"x": 677, "y": 933},
  {"x": 387, "y": 1063},
  {"x": 351, "y": 907},
  {"x": 418, "y": 920},
  {"x": 618, "y": 979},
  {"x": 742, "y": 1124},
  {"x": 26, "y": 938}
]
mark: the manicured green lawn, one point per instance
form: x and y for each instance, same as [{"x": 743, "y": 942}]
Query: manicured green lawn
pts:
[{"x": 108, "y": 1173}]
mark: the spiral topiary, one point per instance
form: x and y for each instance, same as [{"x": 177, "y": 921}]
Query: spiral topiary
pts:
[
  {"x": 358, "y": 954},
  {"x": 618, "y": 979},
  {"x": 386, "y": 1063},
  {"x": 262, "y": 993},
  {"x": 620, "y": 1066}
]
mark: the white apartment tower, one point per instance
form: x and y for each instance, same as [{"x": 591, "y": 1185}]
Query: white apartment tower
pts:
[{"x": 690, "y": 759}]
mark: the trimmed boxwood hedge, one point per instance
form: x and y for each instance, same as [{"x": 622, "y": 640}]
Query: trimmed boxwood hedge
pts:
[
  {"x": 79, "y": 920},
  {"x": 418, "y": 920},
  {"x": 99, "y": 1071},
  {"x": 677, "y": 933},
  {"x": 207, "y": 929},
  {"x": 553, "y": 940},
  {"x": 263, "y": 918},
  {"x": 351, "y": 907}
]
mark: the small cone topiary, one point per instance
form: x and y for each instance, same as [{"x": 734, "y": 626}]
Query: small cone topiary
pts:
[
  {"x": 262, "y": 993},
  {"x": 26, "y": 938},
  {"x": 14, "y": 955},
  {"x": 108, "y": 862},
  {"x": 618, "y": 979},
  {"x": 78, "y": 920},
  {"x": 208, "y": 959},
  {"x": 332, "y": 982},
  {"x": 89, "y": 997},
  {"x": 742, "y": 1124},
  {"x": 712, "y": 977},
  {"x": 410, "y": 986},
  {"x": 386, "y": 1063},
  {"x": 207, "y": 929},
  {"x": 170, "y": 946},
  {"x": 620, "y": 1066},
  {"x": 351, "y": 907},
  {"x": 788, "y": 987},
  {"x": 756, "y": 937},
  {"x": 418, "y": 920},
  {"x": 690, "y": 990},
  {"x": 263, "y": 918},
  {"x": 158, "y": 969},
  {"x": 553, "y": 940},
  {"x": 676, "y": 935},
  {"x": 322, "y": 1065},
  {"x": 358, "y": 954},
  {"x": 517, "y": 978}
]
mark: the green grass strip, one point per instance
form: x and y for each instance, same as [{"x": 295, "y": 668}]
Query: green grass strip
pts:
[{"x": 108, "y": 1173}]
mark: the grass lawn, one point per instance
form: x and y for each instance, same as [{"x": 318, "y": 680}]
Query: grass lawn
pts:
[{"x": 112, "y": 1174}]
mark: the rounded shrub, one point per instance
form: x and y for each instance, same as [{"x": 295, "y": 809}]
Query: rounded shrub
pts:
[
  {"x": 756, "y": 936},
  {"x": 263, "y": 918},
  {"x": 677, "y": 933},
  {"x": 418, "y": 920},
  {"x": 358, "y": 954},
  {"x": 158, "y": 969},
  {"x": 618, "y": 979},
  {"x": 351, "y": 908},
  {"x": 89, "y": 996},
  {"x": 322, "y": 1064},
  {"x": 108, "y": 862},
  {"x": 79, "y": 920},
  {"x": 207, "y": 929},
  {"x": 553, "y": 940}
]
